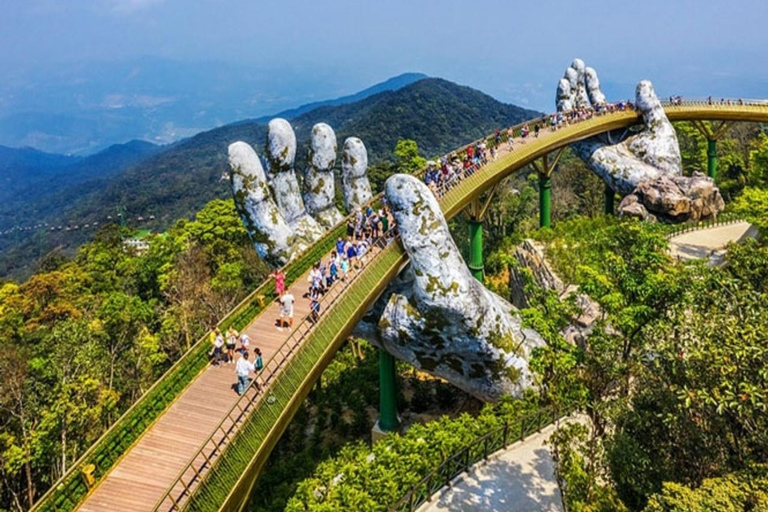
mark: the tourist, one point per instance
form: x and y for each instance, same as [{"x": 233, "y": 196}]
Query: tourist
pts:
[
  {"x": 350, "y": 228},
  {"x": 340, "y": 245},
  {"x": 286, "y": 311},
  {"x": 243, "y": 371},
  {"x": 279, "y": 277},
  {"x": 384, "y": 215},
  {"x": 314, "y": 305},
  {"x": 231, "y": 342},
  {"x": 218, "y": 344},
  {"x": 333, "y": 270},
  {"x": 344, "y": 267},
  {"x": 313, "y": 277},
  {"x": 362, "y": 248},
  {"x": 536, "y": 129},
  {"x": 258, "y": 363},
  {"x": 245, "y": 342},
  {"x": 351, "y": 253}
]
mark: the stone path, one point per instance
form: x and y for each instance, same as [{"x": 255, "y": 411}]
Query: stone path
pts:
[
  {"x": 710, "y": 242},
  {"x": 520, "y": 479}
]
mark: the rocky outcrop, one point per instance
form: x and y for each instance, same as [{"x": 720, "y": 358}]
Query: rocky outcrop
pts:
[
  {"x": 533, "y": 267},
  {"x": 643, "y": 163},
  {"x": 674, "y": 199},
  {"x": 279, "y": 221},
  {"x": 442, "y": 320}
]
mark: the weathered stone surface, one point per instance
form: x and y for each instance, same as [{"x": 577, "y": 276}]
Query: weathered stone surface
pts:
[
  {"x": 531, "y": 264},
  {"x": 319, "y": 187},
  {"x": 280, "y": 224},
  {"x": 636, "y": 163},
  {"x": 281, "y": 151},
  {"x": 272, "y": 236},
  {"x": 354, "y": 164},
  {"x": 444, "y": 321},
  {"x": 674, "y": 199}
]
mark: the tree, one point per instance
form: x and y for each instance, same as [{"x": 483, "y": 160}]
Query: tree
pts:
[{"x": 407, "y": 156}]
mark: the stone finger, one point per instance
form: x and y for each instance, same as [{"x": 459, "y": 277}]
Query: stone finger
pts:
[
  {"x": 354, "y": 165},
  {"x": 265, "y": 224},
  {"x": 319, "y": 186}
]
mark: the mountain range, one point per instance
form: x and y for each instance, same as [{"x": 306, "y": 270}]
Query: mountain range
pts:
[{"x": 53, "y": 194}]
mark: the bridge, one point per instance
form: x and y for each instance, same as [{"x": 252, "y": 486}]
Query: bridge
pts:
[{"x": 190, "y": 443}]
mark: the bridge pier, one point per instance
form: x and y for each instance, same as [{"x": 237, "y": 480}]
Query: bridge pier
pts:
[
  {"x": 544, "y": 168},
  {"x": 476, "y": 249},
  {"x": 712, "y": 158},
  {"x": 610, "y": 198},
  {"x": 476, "y": 213},
  {"x": 389, "y": 421},
  {"x": 713, "y": 133}
]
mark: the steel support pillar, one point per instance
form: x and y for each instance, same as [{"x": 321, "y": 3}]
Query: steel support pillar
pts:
[
  {"x": 712, "y": 158},
  {"x": 476, "y": 249},
  {"x": 388, "y": 420},
  {"x": 610, "y": 197},
  {"x": 545, "y": 201}
]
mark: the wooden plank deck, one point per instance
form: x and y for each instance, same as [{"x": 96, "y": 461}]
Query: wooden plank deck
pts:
[{"x": 141, "y": 477}]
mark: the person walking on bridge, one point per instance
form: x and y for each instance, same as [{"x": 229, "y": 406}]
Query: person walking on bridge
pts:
[{"x": 243, "y": 370}]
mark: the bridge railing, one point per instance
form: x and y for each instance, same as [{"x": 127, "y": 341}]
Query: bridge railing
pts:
[
  {"x": 479, "y": 449},
  {"x": 687, "y": 227},
  {"x": 224, "y": 456}
]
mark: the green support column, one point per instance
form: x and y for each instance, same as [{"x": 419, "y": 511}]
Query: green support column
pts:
[
  {"x": 476, "y": 249},
  {"x": 388, "y": 420},
  {"x": 610, "y": 195},
  {"x": 545, "y": 202},
  {"x": 712, "y": 158}
]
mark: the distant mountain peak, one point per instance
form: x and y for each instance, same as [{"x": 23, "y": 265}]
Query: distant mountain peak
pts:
[{"x": 391, "y": 84}]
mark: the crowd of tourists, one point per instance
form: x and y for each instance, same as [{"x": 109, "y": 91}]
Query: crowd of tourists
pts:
[
  {"x": 225, "y": 349},
  {"x": 451, "y": 169}
]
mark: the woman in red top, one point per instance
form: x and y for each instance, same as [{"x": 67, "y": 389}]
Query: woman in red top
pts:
[{"x": 279, "y": 277}]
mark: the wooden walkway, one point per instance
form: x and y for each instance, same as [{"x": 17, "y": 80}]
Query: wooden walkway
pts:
[{"x": 140, "y": 479}]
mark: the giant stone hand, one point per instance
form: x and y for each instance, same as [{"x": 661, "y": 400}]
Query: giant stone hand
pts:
[
  {"x": 280, "y": 222},
  {"x": 643, "y": 166},
  {"x": 441, "y": 319}
]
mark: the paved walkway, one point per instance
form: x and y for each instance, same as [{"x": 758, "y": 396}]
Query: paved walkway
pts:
[
  {"x": 710, "y": 242},
  {"x": 519, "y": 479}
]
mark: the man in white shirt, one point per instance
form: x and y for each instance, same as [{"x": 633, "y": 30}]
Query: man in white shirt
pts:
[
  {"x": 286, "y": 311},
  {"x": 243, "y": 370}
]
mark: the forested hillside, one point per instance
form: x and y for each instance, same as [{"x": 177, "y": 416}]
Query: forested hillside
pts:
[{"x": 437, "y": 114}]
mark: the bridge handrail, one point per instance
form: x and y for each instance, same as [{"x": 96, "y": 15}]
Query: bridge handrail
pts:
[
  {"x": 687, "y": 227},
  {"x": 480, "y": 448}
]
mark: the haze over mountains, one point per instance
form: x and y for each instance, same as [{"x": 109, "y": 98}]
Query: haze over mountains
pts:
[{"x": 163, "y": 184}]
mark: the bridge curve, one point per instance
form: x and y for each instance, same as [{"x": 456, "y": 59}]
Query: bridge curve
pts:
[{"x": 221, "y": 473}]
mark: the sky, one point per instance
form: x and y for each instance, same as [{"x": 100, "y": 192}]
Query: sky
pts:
[{"x": 512, "y": 50}]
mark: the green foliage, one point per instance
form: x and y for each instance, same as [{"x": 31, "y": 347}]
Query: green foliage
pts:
[
  {"x": 407, "y": 156},
  {"x": 752, "y": 204},
  {"x": 735, "y": 492},
  {"x": 83, "y": 339},
  {"x": 368, "y": 478}
]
